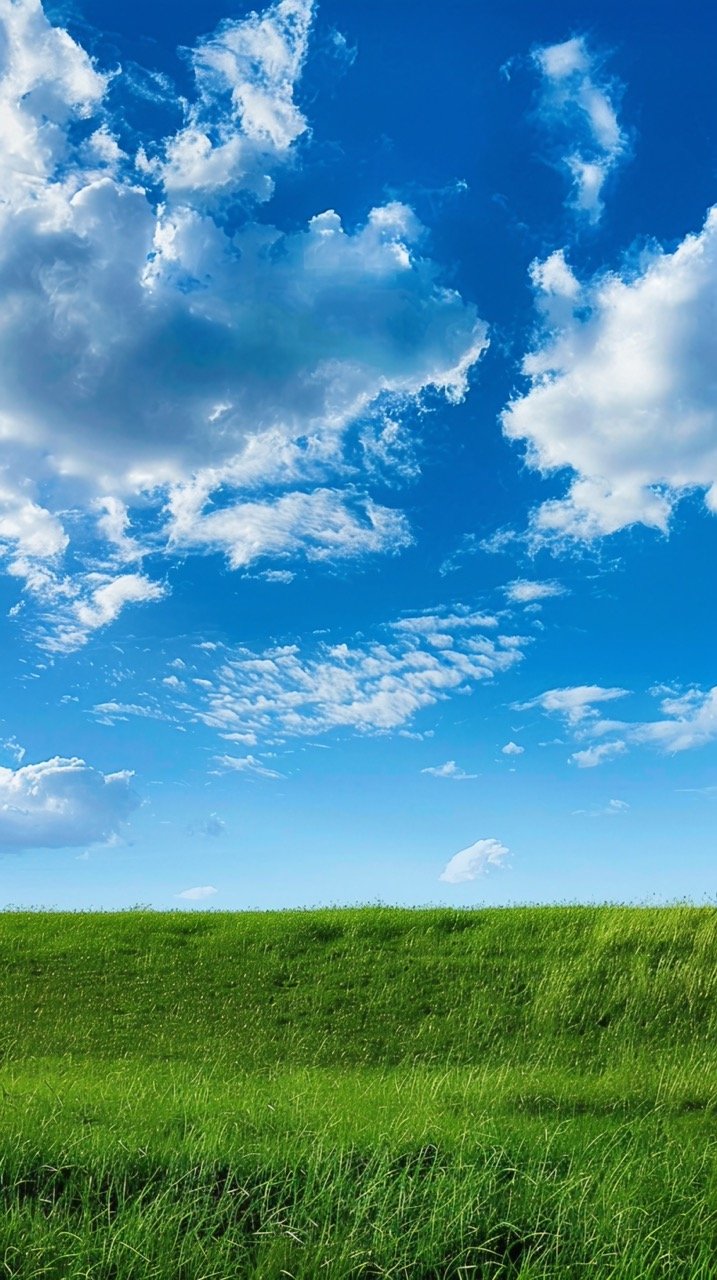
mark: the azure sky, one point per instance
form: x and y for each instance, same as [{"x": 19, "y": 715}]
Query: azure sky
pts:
[{"x": 358, "y": 488}]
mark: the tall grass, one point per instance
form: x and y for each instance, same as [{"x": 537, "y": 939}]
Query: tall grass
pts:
[{"x": 525, "y": 1092}]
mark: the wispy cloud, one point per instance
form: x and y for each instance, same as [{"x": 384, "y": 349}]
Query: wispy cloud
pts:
[
  {"x": 247, "y": 764},
  {"x": 449, "y": 770},
  {"x": 14, "y": 749},
  {"x": 590, "y": 757},
  {"x": 577, "y": 103},
  {"x": 523, "y": 591},
  {"x": 610, "y": 810},
  {"x": 688, "y": 720},
  {"x": 575, "y": 702},
  {"x": 199, "y": 893}
]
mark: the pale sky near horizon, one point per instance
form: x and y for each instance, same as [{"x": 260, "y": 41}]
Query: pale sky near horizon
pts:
[{"x": 358, "y": 491}]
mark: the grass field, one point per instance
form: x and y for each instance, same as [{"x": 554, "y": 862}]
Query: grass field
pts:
[{"x": 525, "y": 1092}]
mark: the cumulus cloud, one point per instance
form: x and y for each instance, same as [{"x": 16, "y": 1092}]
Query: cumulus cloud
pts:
[
  {"x": 554, "y": 278},
  {"x": 62, "y": 803},
  {"x": 449, "y": 770},
  {"x": 474, "y": 861},
  {"x": 512, "y": 749},
  {"x": 180, "y": 374},
  {"x": 624, "y": 393},
  {"x": 577, "y": 104},
  {"x": 522, "y": 591},
  {"x": 199, "y": 893}
]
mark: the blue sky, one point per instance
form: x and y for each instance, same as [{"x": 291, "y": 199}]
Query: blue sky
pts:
[{"x": 359, "y": 453}]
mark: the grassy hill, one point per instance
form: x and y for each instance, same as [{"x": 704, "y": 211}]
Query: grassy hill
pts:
[{"x": 526, "y": 1092}]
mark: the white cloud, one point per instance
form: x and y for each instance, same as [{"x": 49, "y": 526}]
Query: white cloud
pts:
[
  {"x": 690, "y": 720},
  {"x": 369, "y": 686},
  {"x": 512, "y": 749},
  {"x": 574, "y": 702},
  {"x": 199, "y": 893},
  {"x": 72, "y": 608},
  {"x": 590, "y": 757},
  {"x": 579, "y": 109},
  {"x": 107, "y": 600},
  {"x": 244, "y": 120},
  {"x": 624, "y": 394},
  {"x": 610, "y": 810},
  {"x": 449, "y": 770},
  {"x": 178, "y": 380},
  {"x": 247, "y": 764},
  {"x": 109, "y": 712},
  {"x": 474, "y": 861},
  {"x": 553, "y": 277},
  {"x": 13, "y": 747},
  {"x": 61, "y": 803},
  {"x": 113, "y": 523},
  {"x": 321, "y": 524},
  {"x": 524, "y": 592},
  {"x": 47, "y": 81}
]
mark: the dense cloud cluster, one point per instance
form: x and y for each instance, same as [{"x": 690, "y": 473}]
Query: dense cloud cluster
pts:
[{"x": 171, "y": 361}]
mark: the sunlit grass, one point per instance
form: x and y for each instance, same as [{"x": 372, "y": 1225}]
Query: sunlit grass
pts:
[{"x": 528, "y": 1092}]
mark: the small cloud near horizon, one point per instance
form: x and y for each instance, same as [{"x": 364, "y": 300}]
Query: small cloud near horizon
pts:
[{"x": 199, "y": 893}]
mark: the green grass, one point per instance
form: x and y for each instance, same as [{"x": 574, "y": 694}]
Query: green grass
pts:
[{"x": 361, "y": 1093}]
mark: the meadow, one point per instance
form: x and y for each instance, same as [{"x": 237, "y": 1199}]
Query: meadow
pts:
[{"x": 526, "y": 1092}]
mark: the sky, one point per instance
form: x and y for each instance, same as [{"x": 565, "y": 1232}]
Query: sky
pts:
[{"x": 358, "y": 477}]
